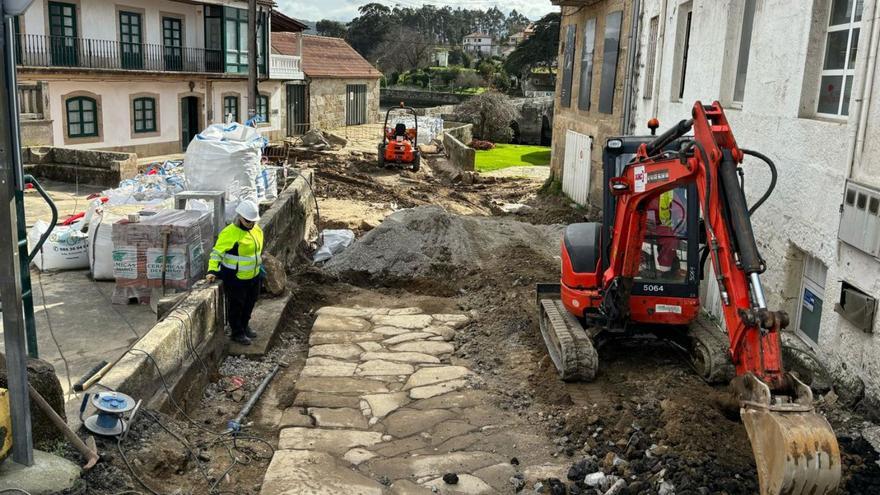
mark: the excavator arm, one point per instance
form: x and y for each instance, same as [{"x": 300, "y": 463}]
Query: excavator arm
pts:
[{"x": 795, "y": 449}]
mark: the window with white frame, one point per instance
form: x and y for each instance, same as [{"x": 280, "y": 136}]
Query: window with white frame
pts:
[{"x": 838, "y": 66}]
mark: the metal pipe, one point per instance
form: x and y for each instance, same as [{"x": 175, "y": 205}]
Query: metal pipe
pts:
[
  {"x": 866, "y": 89},
  {"x": 758, "y": 291},
  {"x": 235, "y": 424},
  {"x": 252, "y": 58},
  {"x": 10, "y": 262},
  {"x": 634, "y": 44}
]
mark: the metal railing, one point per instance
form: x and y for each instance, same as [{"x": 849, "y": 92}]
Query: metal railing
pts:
[{"x": 36, "y": 50}]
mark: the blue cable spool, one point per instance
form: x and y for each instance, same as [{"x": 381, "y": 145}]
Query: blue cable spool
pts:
[{"x": 111, "y": 407}]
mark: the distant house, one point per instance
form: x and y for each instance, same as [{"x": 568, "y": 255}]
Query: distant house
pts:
[
  {"x": 340, "y": 87},
  {"x": 481, "y": 44},
  {"x": 441, "y": 57},
  {"x": 516, "y": 38}
]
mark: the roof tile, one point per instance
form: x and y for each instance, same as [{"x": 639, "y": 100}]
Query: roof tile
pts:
[{"x": 324, "y": 56}]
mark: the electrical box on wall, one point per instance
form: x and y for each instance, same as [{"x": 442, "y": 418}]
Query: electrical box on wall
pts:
[
  {"x": 857, "y": 307},
  {"x": 860, "y": 218}
]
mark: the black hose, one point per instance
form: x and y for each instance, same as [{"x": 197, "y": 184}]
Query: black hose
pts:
[{"x": 773, "y": 176}]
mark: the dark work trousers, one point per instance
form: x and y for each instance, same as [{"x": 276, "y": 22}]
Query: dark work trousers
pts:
[{"x": 241, "y": 296}]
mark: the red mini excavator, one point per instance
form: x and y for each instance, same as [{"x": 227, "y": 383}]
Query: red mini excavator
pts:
[{"x": 639, "y": 271}]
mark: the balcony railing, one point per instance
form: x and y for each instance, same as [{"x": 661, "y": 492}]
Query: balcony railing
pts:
[
  {"x": 285, "y": 67},
  {"x": 35, "y": 50}
]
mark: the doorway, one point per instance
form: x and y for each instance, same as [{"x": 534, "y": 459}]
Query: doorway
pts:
[
  {"x": 189, "y": 120},
  {"x": 297, "y": 110},
  {"x": 355, "y": 104}
]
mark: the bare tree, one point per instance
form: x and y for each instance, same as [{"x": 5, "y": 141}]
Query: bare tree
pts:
[
  {"x": 491, "y": 113},
  {"x": 403, "y": 49}
]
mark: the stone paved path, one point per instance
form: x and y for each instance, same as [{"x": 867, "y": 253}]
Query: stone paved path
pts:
[{"x": 381, "y": 409}]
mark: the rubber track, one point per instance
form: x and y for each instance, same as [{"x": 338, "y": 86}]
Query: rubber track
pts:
[
  {"x": 706, "y": 334},
  {"x": 567, "y": 343}
]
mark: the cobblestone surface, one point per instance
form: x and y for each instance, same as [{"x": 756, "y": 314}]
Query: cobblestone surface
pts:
[{"x": 380, "y": 408}]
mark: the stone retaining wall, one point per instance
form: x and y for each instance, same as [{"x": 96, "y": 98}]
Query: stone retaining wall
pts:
[
  {"x": 103, "y": 168},
  {"x": 460, "y": 154},
  {"x": 197, "y": 322}
]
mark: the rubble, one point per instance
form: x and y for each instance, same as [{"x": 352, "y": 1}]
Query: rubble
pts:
[{"x": 430, "y": 243}]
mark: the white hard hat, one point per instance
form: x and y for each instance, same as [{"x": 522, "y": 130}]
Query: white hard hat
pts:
[{"x": 248, "y": 210}]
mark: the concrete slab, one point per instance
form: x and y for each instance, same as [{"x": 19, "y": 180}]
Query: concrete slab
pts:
[
  {"x": 403, "y": 321},
  {"x": 453, "y": 320},
  {"x": 338, "y": 418},
  {"x": 319, "y": 366},
  {"x": 438, "y": 389},
  {"x": 432, "y": 465},
  {"x": 404, "y": 311},
  {"x": 498, "y": 476},
  {"x": 334, "y": 323},
  {"x": 343, "y": 337},
  {"x": 319, "y": 399},
  {"x": 437, "y": 374},
  {"x": 406, "y": 422},
  {"x": 391, "y": 331},
  {"x": 406, "y": 337},
  {"x": 304, "y": 472},
  {"x": 344, "y": 311},
  {"x": 407, "y": 487},
  {"x": 441, "y": 331},
  {"x": 49, "y": 474},
  {"x": 425, "y": 347},
  {"x": 338, "y": 351},
  {"x": 266, "y": 322},
  {"x": 340, "y": 385},
  {"x": 463, "y": 398},
  {"x": 371, "y": 346},
  {"x": 403, "y": 357},
  {"x": 335, "y": 442},
  {"x": 468, "y": 484},
  {"x": 379, "y": 367},
  {"x": 383, "y": 404},
  {"x": 358, "y": 455},
  {"x": 293, "y": 416}
]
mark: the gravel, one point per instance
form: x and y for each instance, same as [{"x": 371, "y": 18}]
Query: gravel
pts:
[{"x": 428, "y": 242}]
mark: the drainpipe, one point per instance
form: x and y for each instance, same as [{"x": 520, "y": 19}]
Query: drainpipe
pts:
[
  {"x": 865, "y": 89},
  {"x": 630, "y": 80},
  {"x": 658, "y": 53}
]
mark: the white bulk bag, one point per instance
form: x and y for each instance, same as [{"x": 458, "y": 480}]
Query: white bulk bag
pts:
[
  {"x": 66, "y": 248},
  {"x": 223, "y": 155}
]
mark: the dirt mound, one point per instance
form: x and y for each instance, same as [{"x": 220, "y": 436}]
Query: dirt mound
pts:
[{"x": 430, "y": 243}]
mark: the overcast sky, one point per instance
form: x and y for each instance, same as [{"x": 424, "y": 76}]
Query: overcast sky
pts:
[{"x": 345, "y": 10}]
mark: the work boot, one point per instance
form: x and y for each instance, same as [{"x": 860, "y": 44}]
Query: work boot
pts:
[
  {"x": 251, "y": 334},
  {"x": 241, "y": 339}
]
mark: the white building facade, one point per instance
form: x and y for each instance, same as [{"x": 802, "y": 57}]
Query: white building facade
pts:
[
  {"x": 797, "y": 81},
  {"x": 481, "y": 44},
  {"x": 144, "y": 76}
]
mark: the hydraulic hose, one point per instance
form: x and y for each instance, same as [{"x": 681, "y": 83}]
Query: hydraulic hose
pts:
[{"x": 773, "y": 176}]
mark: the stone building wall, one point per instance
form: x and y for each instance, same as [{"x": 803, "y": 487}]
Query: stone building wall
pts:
[
  {"x": 327, "y": 101},
  {"x": 599, "y": 126}
]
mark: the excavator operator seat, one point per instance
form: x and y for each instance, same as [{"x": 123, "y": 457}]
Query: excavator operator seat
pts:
[
  {"x": 400, "y": 130},
  {"x": 582, "y": 246}
]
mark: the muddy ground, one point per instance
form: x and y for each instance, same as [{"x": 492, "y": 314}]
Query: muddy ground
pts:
[{"x": 646, "y": 417}]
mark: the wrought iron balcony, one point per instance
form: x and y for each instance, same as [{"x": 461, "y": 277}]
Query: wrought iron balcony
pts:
[{"x": 33, "y": 50}]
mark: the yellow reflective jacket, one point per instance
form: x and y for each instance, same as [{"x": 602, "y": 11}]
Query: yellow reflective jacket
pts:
[
  {"x": 239, "y": 251},
  {"x": 665, "y": 212}
]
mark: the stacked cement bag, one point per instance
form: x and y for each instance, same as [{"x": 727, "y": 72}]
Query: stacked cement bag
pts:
[
  {"x": 167, "y": 249},
  {"x": 225, "y": 157}
]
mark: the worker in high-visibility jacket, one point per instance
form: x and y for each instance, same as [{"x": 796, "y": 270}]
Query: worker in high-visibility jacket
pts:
[
  {"x": 236, "y": 260},
  {"x": 663, "y": 229}
]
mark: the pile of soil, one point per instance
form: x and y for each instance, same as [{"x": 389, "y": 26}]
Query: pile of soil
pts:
[{"x": 431, "y": 244}]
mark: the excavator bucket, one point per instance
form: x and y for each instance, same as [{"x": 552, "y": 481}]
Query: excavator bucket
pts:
[{"x": 796, "y": 451}]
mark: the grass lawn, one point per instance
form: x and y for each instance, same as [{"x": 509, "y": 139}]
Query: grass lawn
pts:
[{"x": 512, "y": 155}]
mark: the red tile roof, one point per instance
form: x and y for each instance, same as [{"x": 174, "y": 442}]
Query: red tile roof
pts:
[{"x": 325, "y": 57}]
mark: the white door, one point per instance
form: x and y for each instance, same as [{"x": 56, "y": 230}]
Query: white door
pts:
[{"x": 576, "y": 167}]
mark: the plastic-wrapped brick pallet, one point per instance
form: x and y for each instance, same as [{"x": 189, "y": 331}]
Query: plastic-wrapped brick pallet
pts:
[
  {"x": 139, "y": 256},
  {"x": 225, "y": 158}
]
